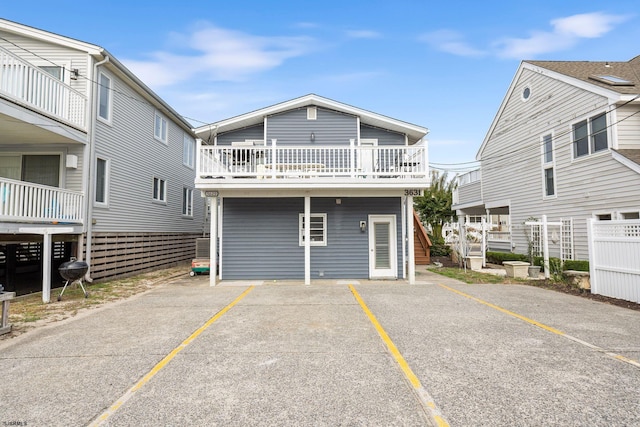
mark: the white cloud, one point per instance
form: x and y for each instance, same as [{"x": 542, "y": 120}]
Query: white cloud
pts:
[
  {"x": 217, "y": 54},
  {"x": 363, "y": 34},
  {"x": 566, "y": 33},
  {"x": 451, "y": 42}
]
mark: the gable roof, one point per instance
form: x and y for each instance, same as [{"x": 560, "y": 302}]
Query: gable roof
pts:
[
  {"x": 414, "y": 132},
  {"x": 99, "y": 54},
  {"x": 586, "y": 74}
]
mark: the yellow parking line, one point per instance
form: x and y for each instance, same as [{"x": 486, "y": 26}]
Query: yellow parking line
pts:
[
  {"x": 106, "y": 414},
  {"x": 546, "y": 328},
  {"x": 432, "y": 411}
]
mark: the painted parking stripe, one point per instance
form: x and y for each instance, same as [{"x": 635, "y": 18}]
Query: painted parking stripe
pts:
[
  {"x": 547, "y": 328},
  {"x": 106, "y": 414},
  {"x": 425, "y": 399}
]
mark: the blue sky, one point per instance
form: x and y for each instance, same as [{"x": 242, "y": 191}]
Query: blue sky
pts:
[{"x": 442, "y": 65}]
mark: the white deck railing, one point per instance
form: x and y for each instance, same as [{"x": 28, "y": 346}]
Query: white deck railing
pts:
[
  {"x": 270, "y": 162},
  {"x": 26, "y": 202},
  {"x": 24, "y": 82}
]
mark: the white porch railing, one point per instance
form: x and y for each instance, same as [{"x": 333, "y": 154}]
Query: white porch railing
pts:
[
  {"x": 25, "y": 202},
  {"x": 273, "y": 161},
  {"x": 24, "y": 82}
]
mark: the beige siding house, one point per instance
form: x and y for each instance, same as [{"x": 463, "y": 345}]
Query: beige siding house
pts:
[
  {"x": 565, "y": 143},
  {"x": 93, "y": 165}
]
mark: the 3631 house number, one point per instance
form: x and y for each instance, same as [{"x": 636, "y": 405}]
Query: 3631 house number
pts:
[{"x": 413, "y": 192}]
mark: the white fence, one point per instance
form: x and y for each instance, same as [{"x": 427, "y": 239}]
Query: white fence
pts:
[
  {"x": 26, "y": 83},
  {"x": 26, "y": 202},
  {"x": 614, "y": 258}
]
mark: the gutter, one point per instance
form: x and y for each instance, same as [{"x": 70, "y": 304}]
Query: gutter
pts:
[{"x": 92, "y": 173}]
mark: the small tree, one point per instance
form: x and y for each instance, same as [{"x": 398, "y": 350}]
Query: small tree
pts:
[{"x": 434, "y": 206}]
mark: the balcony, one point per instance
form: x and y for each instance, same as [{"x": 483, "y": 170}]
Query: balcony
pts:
[
  {"x": 25, "y": 202},
  {"x": 468, "y": 192},
  {"x": 28, "y": 85},
  {"x": 276, "y": 166}
]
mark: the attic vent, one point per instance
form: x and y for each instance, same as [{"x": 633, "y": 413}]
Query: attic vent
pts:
[
  {"x": 612, "y": 80},
  {"x": 312, "y": 113}
]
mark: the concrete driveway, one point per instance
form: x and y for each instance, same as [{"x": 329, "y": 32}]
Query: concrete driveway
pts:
[{"x": 371, "y": 354}]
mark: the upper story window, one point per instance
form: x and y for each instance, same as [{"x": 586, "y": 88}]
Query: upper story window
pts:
[
  {"x": 526, "y": 93},
  {"x": 159, "y": 190},
  {"x": 160, "y": 128},
  {"x": 312, "y": 113},
  {"x": 189, "y": 152},
  {"x": 102, "y": 182},
  {"x": 104, "y": 97},
  {"x": 548, "y": 169},
  {"x": 590, "y": 136}
]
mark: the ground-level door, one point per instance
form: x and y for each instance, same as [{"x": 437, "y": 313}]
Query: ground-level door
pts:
[{"x": 382, "y": 247}]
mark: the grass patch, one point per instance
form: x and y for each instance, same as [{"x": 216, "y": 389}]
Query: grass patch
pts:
[{"x": 470, "y": 276}]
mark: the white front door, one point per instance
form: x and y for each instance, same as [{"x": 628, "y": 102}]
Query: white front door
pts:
[
  {"x": 383, "y": 259},
  {"x": 368, "y": 158}
]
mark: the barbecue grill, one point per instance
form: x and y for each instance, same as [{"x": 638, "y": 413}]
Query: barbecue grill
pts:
[{"x": 73, "y": 271}]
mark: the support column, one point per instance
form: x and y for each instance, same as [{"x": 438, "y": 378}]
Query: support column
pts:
[
  {"x": 307, "y": 240},
  {"x": 411, "y": 258},
  {"x": 545, "y": 245},
  {"x": 213, "y": 242},
  {"x": 46, "y": 267}
]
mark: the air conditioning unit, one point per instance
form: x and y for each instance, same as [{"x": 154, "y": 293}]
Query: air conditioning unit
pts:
[{"x": 203, "y": 248}]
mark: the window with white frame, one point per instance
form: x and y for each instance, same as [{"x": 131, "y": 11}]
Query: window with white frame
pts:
[
  {"x": 159, "y": 190},
  {"x": 548, "y": 169},
  {"x": 102, "y": 182},
  {"x": 590, "y": 136},
  {"x": 187, "y": 201},
  {"x": 630, "y": 215},
  {"x": 189, "y": 151},
  {"x": 160, "y": 128},
  {"x": 104, "y": 97},
  {"x": 317, "y": 229}
]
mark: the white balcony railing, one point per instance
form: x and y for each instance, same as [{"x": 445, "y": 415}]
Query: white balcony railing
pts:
[
  {"x": 26, "y": 202},
  {"x": 294, "y": 162},
  {"x": 26, "y": 83}
]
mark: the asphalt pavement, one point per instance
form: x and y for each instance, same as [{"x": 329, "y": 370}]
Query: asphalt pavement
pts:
[{"x": 335, "y": 353}]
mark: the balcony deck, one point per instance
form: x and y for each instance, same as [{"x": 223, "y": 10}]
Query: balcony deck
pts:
[
  {"x": 24, "y": 202},
  {"x": 276, "y": 166},
  {"x": 28, "y": 85}
]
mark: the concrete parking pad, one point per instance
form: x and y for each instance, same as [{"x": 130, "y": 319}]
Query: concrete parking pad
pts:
[{"x": 289, "y": 354}]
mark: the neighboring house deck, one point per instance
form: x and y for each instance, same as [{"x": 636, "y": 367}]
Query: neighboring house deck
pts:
[
  {"x": 348, "y": 172},
  {"x": 88, "y": 154},
  {"x": 564, "y": 143}
]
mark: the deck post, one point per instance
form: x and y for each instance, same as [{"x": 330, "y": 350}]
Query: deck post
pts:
[
  {"x": 213, "y": 242},
  {"x": 411, "y": 256},
  {"x": 307, "y": 240},
  {"x": 352, "y": 145},
  {"x": 46, "y": 267}
]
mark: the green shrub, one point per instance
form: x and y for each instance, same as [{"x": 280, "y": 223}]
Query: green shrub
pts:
[
  {"x": 500, "y": 257},
  {"x": 577, "y": 265},
  {"x": 440, "y": 249}
]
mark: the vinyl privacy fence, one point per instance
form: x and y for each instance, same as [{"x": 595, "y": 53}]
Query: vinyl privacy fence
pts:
[{"x": 614, "y": 258}]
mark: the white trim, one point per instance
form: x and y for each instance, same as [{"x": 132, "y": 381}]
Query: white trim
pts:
[
  {"x": 546, "y": 165},
  {"x": 392, "y": 271},
  {"x": 107, "y": 180},
  {"x": 164, "y": 128},
  {"x": 307, "y": 239},
  {"x": 162, "y": 198},
  {"x": 628, "y": 163},
  {"x": 302, "y": 232},
  {"x": 589, "y": 119},
  {"x": 191, "y": 160},
  {"x": 109, "y": 92}
]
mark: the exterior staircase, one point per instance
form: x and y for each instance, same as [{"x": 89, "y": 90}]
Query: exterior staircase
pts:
[{"x": 422, "y": 243}]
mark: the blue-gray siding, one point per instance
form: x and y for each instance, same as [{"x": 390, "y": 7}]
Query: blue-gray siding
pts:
[
  {"x": 260, "y": 238},
  {"x": 330, "y": 128},
  {"x": 252, "y": 132},
  {"x": 383, "y": 136}
]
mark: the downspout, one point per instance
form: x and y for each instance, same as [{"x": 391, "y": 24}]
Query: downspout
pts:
[{"x": 92, "y": 153}]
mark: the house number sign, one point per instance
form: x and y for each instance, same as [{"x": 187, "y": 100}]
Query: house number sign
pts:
[
  {"x": 413, "y": 192},
  {"x": 209, "y": 193}
]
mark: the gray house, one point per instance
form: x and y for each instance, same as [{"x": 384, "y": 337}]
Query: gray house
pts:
[
  {"x": 312, "y": 189},
  {"x": 93, "y": 164},
  {"x": 565, "y": 143}
]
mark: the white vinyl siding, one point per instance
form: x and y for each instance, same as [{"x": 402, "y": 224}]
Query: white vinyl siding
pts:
[
  {"x": 189, "y": 151},
  {"x": 104, "y": 98},
  {"x": 160, "y": 128},
  {"x": 317, "y": 230}
]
